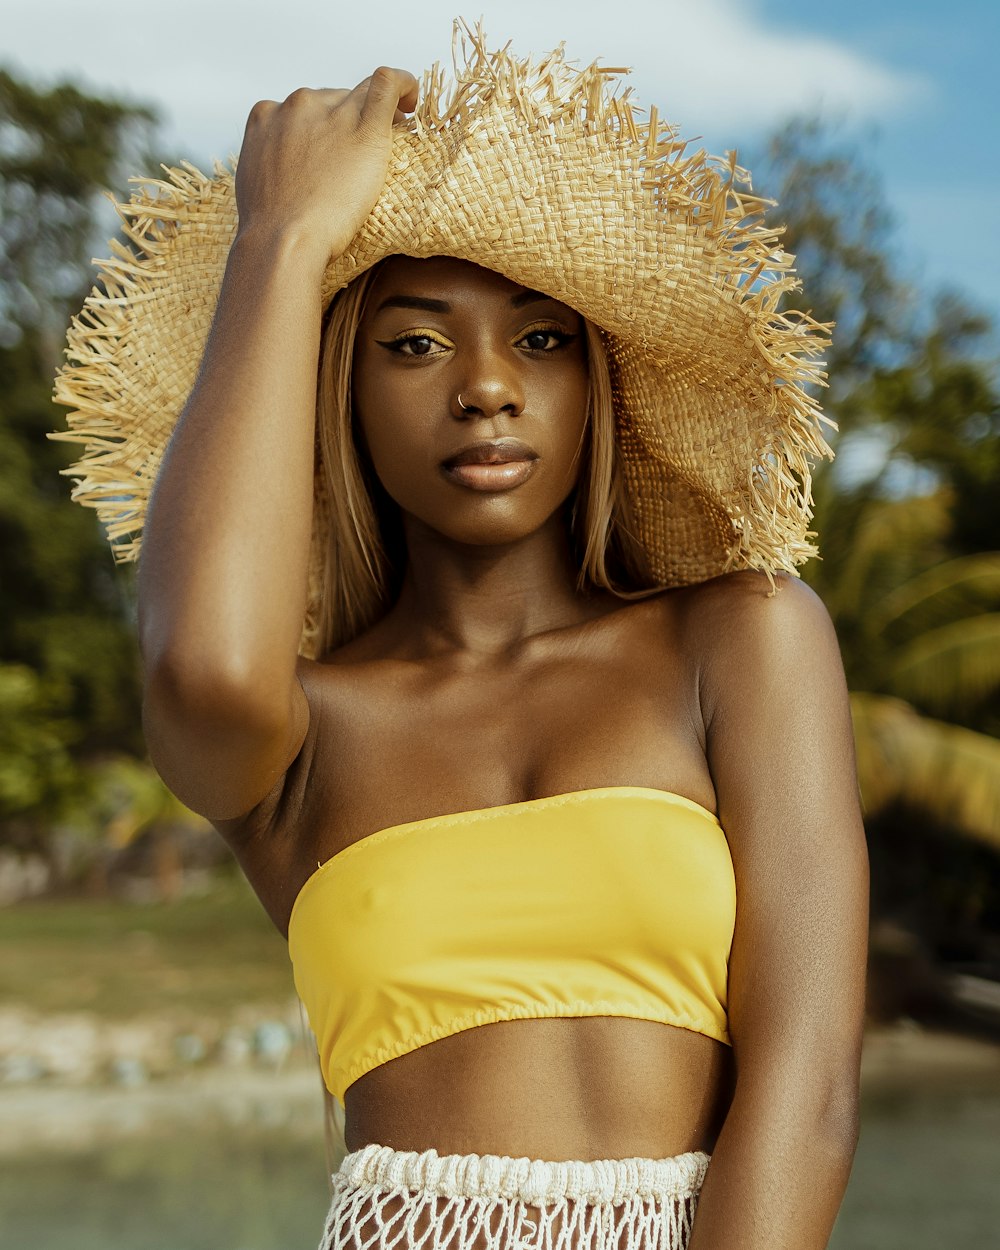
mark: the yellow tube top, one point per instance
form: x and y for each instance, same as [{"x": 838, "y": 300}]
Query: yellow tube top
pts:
[{"x": 618, "y": 901}]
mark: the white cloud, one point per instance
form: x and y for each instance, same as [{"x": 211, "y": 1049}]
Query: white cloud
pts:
[{"x": 711, "y": 65}]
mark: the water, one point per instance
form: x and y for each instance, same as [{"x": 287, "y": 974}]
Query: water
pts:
[
  {"x": 927, "y": 1172},
  {"x": 214, "y": 1190},
  {"x": 926, "y": 1175}
]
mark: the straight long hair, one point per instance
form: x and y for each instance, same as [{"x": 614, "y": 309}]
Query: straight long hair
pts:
[{"x": 365, "y": 551}]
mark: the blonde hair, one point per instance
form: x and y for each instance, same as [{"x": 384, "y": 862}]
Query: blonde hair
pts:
[{"x": 365, "y": 554}]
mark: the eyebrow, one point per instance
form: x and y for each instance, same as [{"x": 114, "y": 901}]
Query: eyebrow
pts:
[
  {"x": 424, "y": 304},
  {"x": 414, "y": 301}
]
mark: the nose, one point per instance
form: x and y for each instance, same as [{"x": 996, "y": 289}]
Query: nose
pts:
[{"x": 491, "y": 388}]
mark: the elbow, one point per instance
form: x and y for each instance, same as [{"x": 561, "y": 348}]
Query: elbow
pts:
[
  {"x": 179, "y": 660},
  {"x": 837, "y": 1122},
  {"x": 815, "y": 1107},
  {"x": 194, "y": 667},
  {"x": 826, "y": 1120},
  {"x": 190, "y": 648},
  {"x": 182, "y": 691}
]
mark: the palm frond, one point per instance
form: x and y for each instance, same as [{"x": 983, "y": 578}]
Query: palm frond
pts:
[
  {"x": 950, "y": 772},
  {"x": 955, "y": 588},
  {"x": 884, "y": 542},
  {"x": 950, "y": 669}
]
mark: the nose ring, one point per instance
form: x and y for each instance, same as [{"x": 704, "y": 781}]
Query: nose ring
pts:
[{"x": 464, "y": 407}]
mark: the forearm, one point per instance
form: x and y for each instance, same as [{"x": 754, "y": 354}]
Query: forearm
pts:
[
  {"x": 778, "y": 1173},
  {"x": 222, "y": 580}
]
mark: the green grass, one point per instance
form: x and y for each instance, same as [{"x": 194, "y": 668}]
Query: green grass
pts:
[{"x": 194, "y": 957}]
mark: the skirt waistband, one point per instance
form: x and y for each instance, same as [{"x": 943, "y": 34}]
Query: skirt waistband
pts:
[{"x": 533, "y": 1181}]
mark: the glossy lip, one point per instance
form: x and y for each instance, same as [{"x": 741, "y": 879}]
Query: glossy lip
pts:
[
  {"x": 492, "y": 451},
  {"x": 494, "y": 464}
]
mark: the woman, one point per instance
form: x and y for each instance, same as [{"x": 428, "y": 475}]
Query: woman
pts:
[{"x": 560, "y": 816}]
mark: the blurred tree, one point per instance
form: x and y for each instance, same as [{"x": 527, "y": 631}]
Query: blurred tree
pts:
[
  {"x": 920, "y": 637},
  {"x": 912, "y": 376},
  {"x": 35, "y": 764},
  {"x": 59, "y": 150},
  {"x": 839, "y": 228},
  {"x": 910, "y": 536},
  {"x": 939, "y": 411},
  {"x": 68, "y": 662}
]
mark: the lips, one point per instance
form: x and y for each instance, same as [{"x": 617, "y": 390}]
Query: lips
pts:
[
  {"x": 492, "y": 451},
  {"x": 492, "y": 465}
]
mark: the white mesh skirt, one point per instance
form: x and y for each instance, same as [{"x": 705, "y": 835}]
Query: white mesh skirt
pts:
[{"x": 385, "y": 1199}]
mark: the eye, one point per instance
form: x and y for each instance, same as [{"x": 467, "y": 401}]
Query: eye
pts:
[
  {"x": 545, "y": 339},
  {"x": 415, "y": 343}
]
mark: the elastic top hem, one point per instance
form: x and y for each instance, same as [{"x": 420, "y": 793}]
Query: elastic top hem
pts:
[{"x": 533, "y": 1181}]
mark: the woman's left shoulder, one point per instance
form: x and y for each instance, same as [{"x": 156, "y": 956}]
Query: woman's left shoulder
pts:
[
  {"x": 758, "y": 644},
  {"x": 748, "y": 596},
  {"x": 748, "y": 615},
  {"x": 776, "y": 713}
]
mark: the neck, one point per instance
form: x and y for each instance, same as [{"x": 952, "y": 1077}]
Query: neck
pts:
[{"x": 487, "y": 600}]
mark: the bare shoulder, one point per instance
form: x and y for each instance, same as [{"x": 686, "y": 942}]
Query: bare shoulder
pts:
[
  {"x": 732, "y": 603},
  {"x": 775, "y": 706},
  {"x": 747, "y": 637}
]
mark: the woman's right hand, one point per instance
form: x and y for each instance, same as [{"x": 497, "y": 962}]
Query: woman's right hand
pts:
[{"x": 312, "y": 168}]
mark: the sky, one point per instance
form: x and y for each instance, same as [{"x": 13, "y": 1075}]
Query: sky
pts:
[{"x": 914, "y": 83}]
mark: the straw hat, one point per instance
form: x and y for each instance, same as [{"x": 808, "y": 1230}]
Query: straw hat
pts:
[{"x": 546, "y": 174}]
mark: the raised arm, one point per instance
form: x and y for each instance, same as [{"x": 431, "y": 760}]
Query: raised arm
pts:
[
  {"x": 223, "y": 572},
  {"x": 781, "y": 753}
]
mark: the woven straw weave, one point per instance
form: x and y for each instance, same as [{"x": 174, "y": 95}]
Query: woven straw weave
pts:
[{"x": 546, "y": 174}]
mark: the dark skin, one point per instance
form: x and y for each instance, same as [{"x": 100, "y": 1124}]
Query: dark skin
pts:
[
  {"x": 489, "y": 618},
  {"x": 494, "y": 680}
]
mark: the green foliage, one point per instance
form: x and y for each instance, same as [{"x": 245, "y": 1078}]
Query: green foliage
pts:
[
  {"x": 910, "y": 537},
  {"x": 914, "y": 762},
  {"x": 129, "y": 797},
  {"x": 951, "y": 668},
  {"x": 941, "y": 409},
  {"x": 59, "y": 148},
  {"x": 69, "y": 678},
  {"x": 36, "y": 768},
  {"x": 920, "y": 635},
  {"x": 837, "y": 225},
  {"x": 71, "y": 622},
  {"x": 917, "y": 368},
  {"x": 954, "y": 588}
]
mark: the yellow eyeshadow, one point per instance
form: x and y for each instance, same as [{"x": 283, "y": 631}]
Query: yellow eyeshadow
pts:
[
  {"x": 421, "y": 333},
  {"x": 554, "y": 326}
]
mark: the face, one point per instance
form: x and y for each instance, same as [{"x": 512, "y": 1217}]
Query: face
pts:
[{"x": 471, "y": 394}]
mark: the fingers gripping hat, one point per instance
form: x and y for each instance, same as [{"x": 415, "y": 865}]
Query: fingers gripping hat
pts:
[{"x": 546, "y": 174}]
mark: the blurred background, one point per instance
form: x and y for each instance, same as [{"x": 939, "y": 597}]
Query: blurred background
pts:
[{"x": 156, "y": 1085}]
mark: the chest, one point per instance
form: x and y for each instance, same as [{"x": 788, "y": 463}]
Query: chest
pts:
[
  {"x": 408, "y": 748},
  {"x": 397, "y": 744},
  {"x": 518, "y": 723}
]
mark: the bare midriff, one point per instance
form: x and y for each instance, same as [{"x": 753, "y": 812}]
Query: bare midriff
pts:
[{"x": 599, "y": 1087}]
